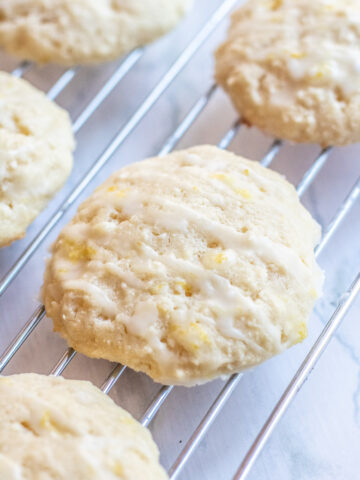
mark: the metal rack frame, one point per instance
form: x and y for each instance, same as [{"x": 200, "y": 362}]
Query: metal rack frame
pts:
[{"x": 318, "y": 347}]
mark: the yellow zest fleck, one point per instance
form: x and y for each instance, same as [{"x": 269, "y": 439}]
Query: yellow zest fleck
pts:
[
  {"x": 211, "y": 259},
  {"x": 118, "y": 469},
  {"x": 178, "y": 331},
  {"x": 156, "y": 288},
  {"x": 186, "y": 287},
  {"x": 313, "y": 293},
  {"x": 220, "y": 258},
  {"x": 23, "y": 129},
  {"x": 195, "y": 188},
  {"x": 192, "y": 336},
  {"x": 284, "y": 337},
  {"x": 223, "y": 177},
  {"x": 297, "y": 54},
  {"x": 162, "y": 310},
  {"x": 320, "y": 71},
  {"x": 204, "y": 337},
  {"x": 47, "y": 422},
  {"x": 276, "y": 4},
  {"x": 78, "y": 250},
  {"x": 229, "y": 181},
  {"x": 273, "y": 4},
  {"x": 119, "y": 192},
  {"x": 246, "y": 172},
  {"x": 303, "y": 332},
  {"x": 175, "y": 327},
  {"x": 63, "y": 270},
  {"x": 128, "y": 421},
  {"x": 244, "y": 193}
]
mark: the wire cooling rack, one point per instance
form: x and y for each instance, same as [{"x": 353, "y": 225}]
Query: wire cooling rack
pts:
[{"x": 85, "y": 121}]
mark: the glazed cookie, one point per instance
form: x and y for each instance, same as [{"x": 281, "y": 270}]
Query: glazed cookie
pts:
[
  {"x": 186, "y": 267},
  {"x": 292, "y": 68},
  {"x": 36, "y": 144},
  {"x": 72, "y": 32},
  {"x": 57, "y": 429}
]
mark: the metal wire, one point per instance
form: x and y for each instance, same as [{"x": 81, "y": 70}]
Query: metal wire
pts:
[
  {"x": 63, "y": 362},
  {"x": 14, "y": 346},
  {"x": 61, "y": 83},
  {"x": 298, "y": 380},
  {"x": 21, "y": 69},
  {"x": 155, "y": 405},
  {"x": 121, "y": 136},
  {"x": 113, "y": 378},
  {"x": 339, "y": 217},
  {"x": 125, "y": 66},
  {"x": 312, "y": 173},
  {"x": 230, "y": 135},
  {"x": 204, "y": 425},
  {"x": 272, "y": 152},
  {"x": 187, "y": 121},
  {"x": 206, "y": 422}
]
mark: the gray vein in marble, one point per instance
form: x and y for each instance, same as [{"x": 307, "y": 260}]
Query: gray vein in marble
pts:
[{"x": 336, "y": 291}]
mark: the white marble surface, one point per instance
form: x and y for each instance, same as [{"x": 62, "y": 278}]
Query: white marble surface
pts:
[{"x": 319, "y": 437}]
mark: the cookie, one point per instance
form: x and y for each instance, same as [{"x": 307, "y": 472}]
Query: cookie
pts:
[
  {"x": 72, "y": 32},
  {"x": 186, "y": 267},
  {"x": 57, "y": 429},
  {"x": 36, "y": 144},
  {"x": 292, "y": 68}
]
